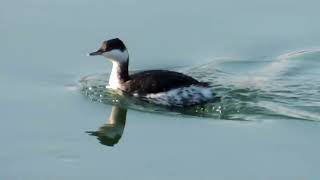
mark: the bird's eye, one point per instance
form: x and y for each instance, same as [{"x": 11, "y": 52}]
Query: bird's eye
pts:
[{"x": 108, "y": 48}]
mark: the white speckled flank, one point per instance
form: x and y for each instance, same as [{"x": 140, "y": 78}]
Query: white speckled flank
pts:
[{"x": 185, "y": 96}]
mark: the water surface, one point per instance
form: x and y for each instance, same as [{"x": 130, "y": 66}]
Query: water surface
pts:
[{"x": 261, "y": 57}]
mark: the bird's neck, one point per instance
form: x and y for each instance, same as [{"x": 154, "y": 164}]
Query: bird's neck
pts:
[{"x": 119, "y": 74}]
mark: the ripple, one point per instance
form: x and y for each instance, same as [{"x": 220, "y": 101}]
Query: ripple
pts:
[{"x": 276, "y": 91}]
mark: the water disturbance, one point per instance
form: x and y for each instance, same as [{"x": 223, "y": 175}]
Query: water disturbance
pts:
[{"x": 283, "y": 87}]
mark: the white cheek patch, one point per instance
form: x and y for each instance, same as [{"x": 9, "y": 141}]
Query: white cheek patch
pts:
[{"x": 117, "y": 55}]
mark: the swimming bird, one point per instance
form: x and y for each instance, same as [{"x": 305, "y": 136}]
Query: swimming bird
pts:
[{"x": 162, "y": 87}]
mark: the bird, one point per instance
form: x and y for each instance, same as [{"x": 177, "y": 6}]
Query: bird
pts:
[{"x": 162, "y": 87}]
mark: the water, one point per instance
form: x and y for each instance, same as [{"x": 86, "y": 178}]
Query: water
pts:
[
  {"x": 262, "y": 58},
  {"x": 283, "y": 87}
]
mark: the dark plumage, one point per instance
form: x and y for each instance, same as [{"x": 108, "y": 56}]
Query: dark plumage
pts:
[{"x": 155, "y": 81}]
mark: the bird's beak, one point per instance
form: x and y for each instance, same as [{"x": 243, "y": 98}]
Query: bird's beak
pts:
[{"x": 95, "y": 53}]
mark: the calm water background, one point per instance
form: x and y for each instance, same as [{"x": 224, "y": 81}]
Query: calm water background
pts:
[{"x": 45, "y": 116}]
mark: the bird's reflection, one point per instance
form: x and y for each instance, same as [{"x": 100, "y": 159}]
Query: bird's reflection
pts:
[{"x": 110, "y": 133}]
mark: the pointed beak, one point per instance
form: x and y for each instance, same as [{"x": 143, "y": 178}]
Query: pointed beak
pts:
[
  {"x": 95, "y": 53},
  {"x": 98, "y": 52}
]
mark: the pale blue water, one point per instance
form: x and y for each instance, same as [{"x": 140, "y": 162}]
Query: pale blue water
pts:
[{"x": 262, "y": 58}]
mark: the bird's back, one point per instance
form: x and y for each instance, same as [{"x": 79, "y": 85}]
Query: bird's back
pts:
[{"x": 155, "y": 81}]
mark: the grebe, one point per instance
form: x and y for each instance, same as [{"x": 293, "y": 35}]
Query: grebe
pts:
[{"x": 162, "y": 87}]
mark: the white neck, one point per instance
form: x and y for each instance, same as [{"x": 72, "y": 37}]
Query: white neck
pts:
[{"x": 114, "y": 80}]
